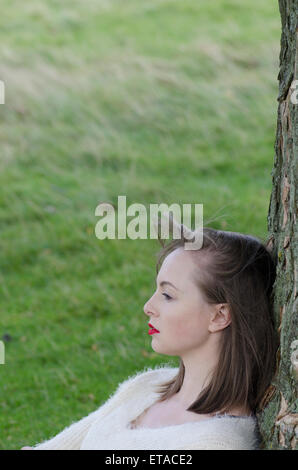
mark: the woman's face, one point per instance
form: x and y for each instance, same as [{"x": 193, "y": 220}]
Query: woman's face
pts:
[{"x": 178, "y": 310}]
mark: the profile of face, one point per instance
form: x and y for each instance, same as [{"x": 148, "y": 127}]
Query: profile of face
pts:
[{"x": 178, "y": 310}]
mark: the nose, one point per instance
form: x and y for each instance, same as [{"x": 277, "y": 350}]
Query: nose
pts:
[{"x": 148, "y": 309}]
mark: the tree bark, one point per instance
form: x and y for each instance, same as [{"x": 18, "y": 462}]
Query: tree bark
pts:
[{"x": 278, "y": 419}]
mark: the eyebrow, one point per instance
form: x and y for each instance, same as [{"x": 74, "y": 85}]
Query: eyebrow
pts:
[{"x": 163, "y": 283}]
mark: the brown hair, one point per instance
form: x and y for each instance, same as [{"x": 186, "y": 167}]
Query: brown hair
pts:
[{"x": 239, "y": 270}]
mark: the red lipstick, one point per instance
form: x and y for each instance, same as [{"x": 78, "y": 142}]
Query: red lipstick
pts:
[{"x": 152, "y": 330}]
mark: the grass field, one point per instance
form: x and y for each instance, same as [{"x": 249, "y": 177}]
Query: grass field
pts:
[{"x": 162, "y": 101}]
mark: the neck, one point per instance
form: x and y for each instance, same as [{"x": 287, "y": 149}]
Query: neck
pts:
[{"x": 198, "y": 372}]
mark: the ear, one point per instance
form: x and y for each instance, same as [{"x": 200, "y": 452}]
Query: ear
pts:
[{"x": 220, "y": 318}]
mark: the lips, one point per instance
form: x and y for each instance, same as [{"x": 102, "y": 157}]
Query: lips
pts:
[{"x": 152, "y": 330}]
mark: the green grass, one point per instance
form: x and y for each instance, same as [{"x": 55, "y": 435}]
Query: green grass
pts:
[{"x": 161, "y": 101}]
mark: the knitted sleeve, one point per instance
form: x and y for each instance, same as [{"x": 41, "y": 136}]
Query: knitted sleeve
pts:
[
  {"x": 72, "y": 436},
  {"x": 224, "y": 442},
  {"x": 220, "y": 444},
  {"x": 212, "y": 444}
]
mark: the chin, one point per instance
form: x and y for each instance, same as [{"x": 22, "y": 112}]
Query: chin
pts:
[{"x": 161, "y": 350}]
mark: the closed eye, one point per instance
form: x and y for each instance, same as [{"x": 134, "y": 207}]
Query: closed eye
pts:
[{"x": 167, "y": 296}]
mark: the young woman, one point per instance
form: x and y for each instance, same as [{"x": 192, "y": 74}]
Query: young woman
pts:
[{"x": 212, "y": 308}]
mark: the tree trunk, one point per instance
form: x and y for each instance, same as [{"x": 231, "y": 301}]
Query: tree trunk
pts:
[{"x": 278, "y": 420}]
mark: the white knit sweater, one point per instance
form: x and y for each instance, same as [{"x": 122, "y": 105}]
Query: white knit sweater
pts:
[{"x": 108, "y": 427}]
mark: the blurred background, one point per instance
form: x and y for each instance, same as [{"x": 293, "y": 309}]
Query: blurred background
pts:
[{"x": 164, "y": 101}]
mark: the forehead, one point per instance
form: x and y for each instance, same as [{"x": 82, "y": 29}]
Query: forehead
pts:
[{"x": 178, "y": 266}]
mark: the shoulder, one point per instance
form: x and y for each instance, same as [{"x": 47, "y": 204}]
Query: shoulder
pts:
[
  {"x": 148, "y": 375},
  {"x": 134, "y": 384}
]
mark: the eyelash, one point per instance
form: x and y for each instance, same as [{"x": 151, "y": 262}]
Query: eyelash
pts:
[{"x": 167, "y": 296}]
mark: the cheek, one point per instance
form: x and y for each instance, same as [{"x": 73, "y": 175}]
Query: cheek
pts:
[
  {"x": 188, "y": 325},
  {"x": 183, "y": 325}
]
